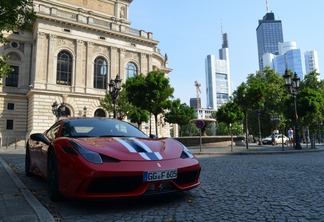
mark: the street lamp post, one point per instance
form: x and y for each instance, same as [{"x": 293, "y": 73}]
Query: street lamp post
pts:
[
  {"x": 85, "y": 111},
  {"x": 57, "y": 110},
  {"x": 292, "y": 82},
  {"x": 231, "y": 132},
  {"x": 114, "y": 88}
]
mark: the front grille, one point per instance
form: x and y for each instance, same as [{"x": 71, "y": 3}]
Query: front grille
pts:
[
  {"x": 160, "y": 188},
  {"x": 187, "y": 177},
  {"x": 115, "y": 184}
]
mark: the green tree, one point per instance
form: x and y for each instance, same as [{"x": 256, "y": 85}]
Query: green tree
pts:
[
  {"x": 125, "y": 108},
  {"x": 276, "y": 98},
  {"x": 179, "y": 113},
  {"x": 138, "y": 116},
  {"x": 151, "y": 93},
  {"x": 310, "y": 103},
  {"x": 190, "y": 130},
  {"x": 311, "y": 80},
  {"x": 14, "y": 15},
  {"x": 229, "y": 113},
  {"x": 248, "y": 97}
]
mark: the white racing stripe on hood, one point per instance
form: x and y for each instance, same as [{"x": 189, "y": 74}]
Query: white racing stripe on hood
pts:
[
  {"x": 144, "y": 156},
  {"x": 158, "y": 155},
  {"x": 141, "y": 144},
  {"x": 125, "y": 144},
  {"x": 147, "y": 155}
]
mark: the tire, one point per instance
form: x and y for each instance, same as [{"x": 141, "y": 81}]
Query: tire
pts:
[
  {"x": 27, "y": 163},
  {"x": 53, "y": 178}
]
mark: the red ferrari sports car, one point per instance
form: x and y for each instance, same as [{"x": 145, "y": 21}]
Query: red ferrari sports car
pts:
[{"x": 101, "y": 158}]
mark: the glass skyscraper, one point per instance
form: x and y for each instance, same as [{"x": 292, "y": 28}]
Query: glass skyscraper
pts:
[
  {"x": 269, "y": 34},
  {"x": 294, "y": 62},
  {"x": 290, "y": 57},
  {"x": 311, "y": 61},
  {"x": 218, "y": 77}
]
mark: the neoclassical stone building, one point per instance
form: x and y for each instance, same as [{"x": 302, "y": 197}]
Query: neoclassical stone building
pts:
[{"x": 74, "y": 49}]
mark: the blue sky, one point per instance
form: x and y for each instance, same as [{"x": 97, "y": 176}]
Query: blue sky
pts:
[{"x": 189, "y": 30}]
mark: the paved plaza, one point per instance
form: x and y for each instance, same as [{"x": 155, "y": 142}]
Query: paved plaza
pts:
[{"x": 283, "y": 186}]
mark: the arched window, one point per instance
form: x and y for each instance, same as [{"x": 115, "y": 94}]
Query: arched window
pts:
[
  {"x": 99, "y": 113},
  {"x": 131, "y": 70},
  {"x": 64, "y": 68},
  {"x": 12, "y": 78},
  {"x": 100, "y": 73}
]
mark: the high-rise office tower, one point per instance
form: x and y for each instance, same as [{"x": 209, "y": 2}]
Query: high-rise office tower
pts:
[
  {"x": 269, "y": 34},
  {"x": 195, "y": 103},
  {"x": 311, "y": 61},
  {"x": 218, "y": 77},
  {"x": 290, "y": 57}
]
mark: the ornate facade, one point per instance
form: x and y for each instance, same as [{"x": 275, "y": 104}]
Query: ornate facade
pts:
[{"x": 75, "y": 47}]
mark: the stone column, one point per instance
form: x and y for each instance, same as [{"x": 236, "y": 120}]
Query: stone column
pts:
[
  {"x": 113, "y": 63},
  {"x": 149, "y": 65},
  {"x": 78, "y": 77},
  {"x": 144, "y": 67},
  {"x": 41, "y": 66},
  {"x": 52, "y": 58},
  {"x": 121, "y": 68},
  {"x": 89, "y": 66}
]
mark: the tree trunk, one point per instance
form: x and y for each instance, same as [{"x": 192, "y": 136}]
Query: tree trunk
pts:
[
  {"x": 156, "y": 124},
  {"x": 313, "y": 136},
  {"x": 246, "y": 130}
]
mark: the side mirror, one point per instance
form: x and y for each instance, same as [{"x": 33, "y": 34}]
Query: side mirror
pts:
[{"x": 39, "y": 137}]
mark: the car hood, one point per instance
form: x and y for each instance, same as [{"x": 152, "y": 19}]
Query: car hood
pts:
[{"x": 135, "y": 149}]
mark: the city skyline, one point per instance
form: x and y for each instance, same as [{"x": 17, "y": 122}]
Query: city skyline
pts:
[{"x": 188, "y": 32}]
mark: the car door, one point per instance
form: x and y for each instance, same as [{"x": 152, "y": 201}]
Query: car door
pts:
[
  {"x": 50, "y": 134},
  {"x": 279, "y": 138}
]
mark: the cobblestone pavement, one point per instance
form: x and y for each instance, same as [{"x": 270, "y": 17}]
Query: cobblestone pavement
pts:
[{"x": 278, "y": 187}]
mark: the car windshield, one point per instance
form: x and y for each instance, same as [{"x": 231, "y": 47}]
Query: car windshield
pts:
[{"x": 99, "y": 127}]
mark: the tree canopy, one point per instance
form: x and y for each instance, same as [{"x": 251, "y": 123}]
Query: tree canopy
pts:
[
  {"x": 14, "y": 15},
  {"x": 179, "y": 113},
  {"x": 151, "y": 92}
]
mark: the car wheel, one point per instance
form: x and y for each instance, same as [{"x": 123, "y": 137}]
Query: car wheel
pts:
[
  {"x": 27, "y": 163},
  {"x": 53, "y": 179}
]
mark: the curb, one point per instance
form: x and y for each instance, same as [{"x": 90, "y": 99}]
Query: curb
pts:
[{"x": 41, "y": 212}]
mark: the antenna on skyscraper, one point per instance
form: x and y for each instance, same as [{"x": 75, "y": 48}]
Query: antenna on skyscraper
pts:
[
  {"x": 221, "y": 26},
  {"x": 267, "y": 6}
]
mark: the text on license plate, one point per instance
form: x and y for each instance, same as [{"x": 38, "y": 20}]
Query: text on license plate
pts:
[{"x": 160, "y": 175}]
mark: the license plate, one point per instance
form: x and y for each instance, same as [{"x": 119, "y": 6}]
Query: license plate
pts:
[{"x": 160, "y": 175}]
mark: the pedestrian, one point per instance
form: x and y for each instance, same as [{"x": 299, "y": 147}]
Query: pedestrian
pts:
[
  {"x": 291, "y": 136},
  {"x": 273, "y": 138}
]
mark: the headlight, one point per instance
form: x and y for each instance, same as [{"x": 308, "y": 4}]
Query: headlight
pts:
[{"x": 89, "y": 155}]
